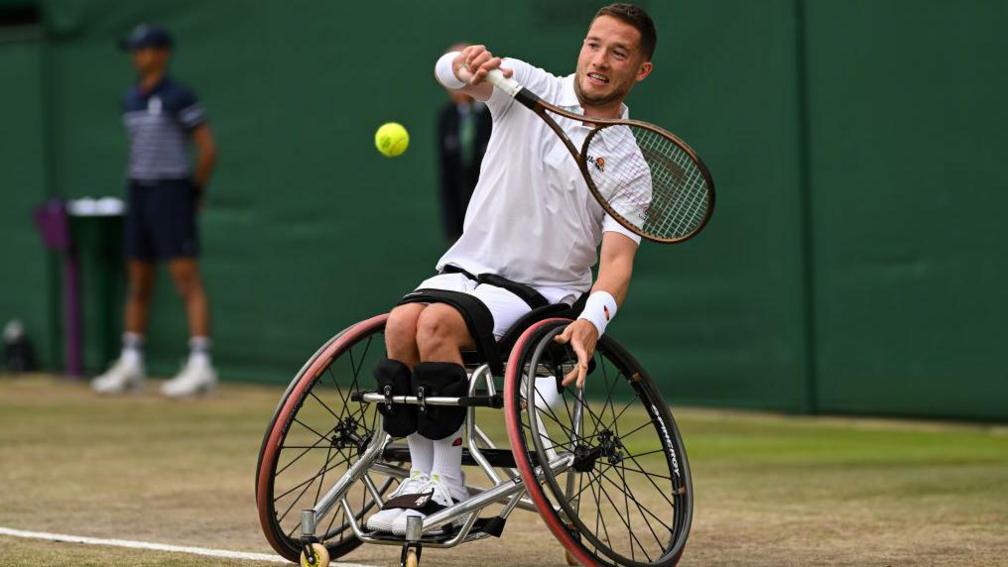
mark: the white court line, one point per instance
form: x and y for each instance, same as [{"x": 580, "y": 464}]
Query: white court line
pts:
[{"x": 159, "y": 547}]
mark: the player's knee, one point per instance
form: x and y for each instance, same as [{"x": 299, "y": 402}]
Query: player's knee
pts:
[
  {"x": 186, "y": 284},
  {"x": 437, "y": 326},
  {"x": 140, "y": 292},
  {"x": 400, "y": 329}
]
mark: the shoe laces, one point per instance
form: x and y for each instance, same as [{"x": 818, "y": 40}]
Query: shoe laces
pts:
[
  {"x": 441, "y": 493},
  {"x": 417, "y": 482}
]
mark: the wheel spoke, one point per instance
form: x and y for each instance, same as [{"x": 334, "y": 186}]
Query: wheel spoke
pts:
[
  {"x": 325, "y": 405},
  {"x": 650, "y": 479},
  {"x": 310, "y": 428},
  {"x": 317, "y": 445},
  {"x": 547, "y": 437},
  {"x": 643, "y": 509},
  {"x": 640, "y": 471},
  {"x": 598, "y": 512},
  {"x": 318, "y": 492},
  {"x": 633, "y": 538},
  {"x": 307, "y": 484},
  {"x": 636, "y": 429}
]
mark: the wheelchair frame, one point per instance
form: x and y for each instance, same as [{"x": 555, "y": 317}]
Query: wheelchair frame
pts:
[{"x": 508, "y": 488}]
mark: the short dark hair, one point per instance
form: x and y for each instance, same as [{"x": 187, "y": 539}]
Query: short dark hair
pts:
[{"x": 639, "y": 19}]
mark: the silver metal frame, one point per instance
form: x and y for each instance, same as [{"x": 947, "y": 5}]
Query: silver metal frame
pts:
[{"x": 508, "y": 490}]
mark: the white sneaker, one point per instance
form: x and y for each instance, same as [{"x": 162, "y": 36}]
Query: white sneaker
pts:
[
  {"x": 383, "y": 520},
  {"x": 123, "y": 375},
  {"x": 196, "y": 377},
  {"x": 440, "y": 494}
]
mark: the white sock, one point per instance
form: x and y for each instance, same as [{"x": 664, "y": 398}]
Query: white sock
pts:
[
  {"x": 199, "y": 350},
  {"x": 421, "y": 450},
  {"x": 132, "y": 348},
  {"x": 448, "y": 462},
  {"x": 546, "y": 394}
]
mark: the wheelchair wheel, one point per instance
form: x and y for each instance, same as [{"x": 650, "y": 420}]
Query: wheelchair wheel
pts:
[
  {"x": 316, "y": 433},
  {"x": 626, "y": 498}
]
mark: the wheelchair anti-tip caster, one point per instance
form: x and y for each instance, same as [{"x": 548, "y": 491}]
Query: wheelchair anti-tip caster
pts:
[
  {"x": 315, "y": 555},
  {"x": 412, "y": 548}
]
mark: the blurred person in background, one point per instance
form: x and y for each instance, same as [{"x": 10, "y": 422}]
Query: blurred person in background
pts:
[
  {"x": 165, "y": 193},
  {"x": 463, "y": 134}
]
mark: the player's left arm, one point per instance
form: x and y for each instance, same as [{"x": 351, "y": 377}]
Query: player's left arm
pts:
[
  {"x": 206, "y": 156},
  {"x": 615, "y": 269}
]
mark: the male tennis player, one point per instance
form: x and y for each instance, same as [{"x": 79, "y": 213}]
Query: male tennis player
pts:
[{"x": 531, "y": 221}]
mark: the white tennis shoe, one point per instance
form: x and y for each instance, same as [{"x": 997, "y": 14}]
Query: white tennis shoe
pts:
[
  {"x": 384, "y": 520},
  {"x": 196, "y": 377},
  {"x": 125, "y": 374},
  {"x": 440, "y": 493}
]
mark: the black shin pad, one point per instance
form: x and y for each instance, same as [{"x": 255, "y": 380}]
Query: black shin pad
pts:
[
  {"x": 440, "y": 379},
  {"x": 393, "y": 378}
]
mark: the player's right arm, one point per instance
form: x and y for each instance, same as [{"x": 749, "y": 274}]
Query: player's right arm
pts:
[{"x": 471, "y": 66}]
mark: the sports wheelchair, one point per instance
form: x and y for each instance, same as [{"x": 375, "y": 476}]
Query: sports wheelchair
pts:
[{"x": 604, "y": 466}]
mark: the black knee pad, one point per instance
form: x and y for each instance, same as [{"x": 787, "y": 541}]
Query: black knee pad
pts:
[
  {"x": 394, "y": 378},
  {"x": 440, "y": 379}
]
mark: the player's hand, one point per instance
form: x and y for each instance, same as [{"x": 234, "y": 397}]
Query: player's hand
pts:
[
  {"x": 475, "y": 61},
  {"x": 582, "y": 336},
  {"x": 199, "y": 197}
]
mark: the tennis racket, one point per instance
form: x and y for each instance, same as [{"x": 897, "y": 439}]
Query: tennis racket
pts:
[{"x": 644, "y": 176}]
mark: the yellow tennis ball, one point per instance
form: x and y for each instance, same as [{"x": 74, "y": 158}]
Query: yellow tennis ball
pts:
[{"x": 391, "y": 139}]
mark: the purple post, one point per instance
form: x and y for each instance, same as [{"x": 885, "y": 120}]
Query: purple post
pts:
[{"x": 54, "y": 227}]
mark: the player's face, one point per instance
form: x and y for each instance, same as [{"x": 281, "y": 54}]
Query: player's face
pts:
[
  {"x": 610, "y": 62},
  {"x": 149, "y": 59}
]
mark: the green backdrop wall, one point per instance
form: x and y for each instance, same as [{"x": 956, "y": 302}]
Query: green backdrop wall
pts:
[{"x": 855, "y": 262}]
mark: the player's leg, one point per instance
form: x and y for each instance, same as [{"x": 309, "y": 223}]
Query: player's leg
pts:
[
  {"x": 400, "y": 333},
  {"x": 396, "y": 372},
  {"x": 175, "y": 238},
  {"x": 198, "y": 374},
  {"x": 401, "y": 345},
  {"x": 127, "y": 372},
  {"x": 140, "y": 290},
  {"x": 441, "y": 336},
  {"x": 185, "y": 275}
]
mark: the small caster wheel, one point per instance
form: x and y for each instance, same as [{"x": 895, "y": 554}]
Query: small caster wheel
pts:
[
  {"x": 570, "y": 558},
  {"x": 321, "y": 557},
  {"x": 411, "y": 559}
]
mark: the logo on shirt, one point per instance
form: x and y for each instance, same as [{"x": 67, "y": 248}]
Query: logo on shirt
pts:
[
  {"x": 598, "y": 162},
  {"x": 644, "y": 214}
]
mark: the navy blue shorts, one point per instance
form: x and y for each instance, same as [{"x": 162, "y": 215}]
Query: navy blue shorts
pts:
[{"x": 161, "y": 220}]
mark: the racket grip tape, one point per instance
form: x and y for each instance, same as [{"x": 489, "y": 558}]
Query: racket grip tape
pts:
[{"x": 513, "y": 88}]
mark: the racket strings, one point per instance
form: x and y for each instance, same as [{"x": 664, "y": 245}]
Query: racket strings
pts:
[{"x": 649, "y": 180}]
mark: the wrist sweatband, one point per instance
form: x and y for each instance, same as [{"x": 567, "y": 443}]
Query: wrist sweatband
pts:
[
  {"x": 599, "y": 309},
  {"x": 445, "y": 73}
]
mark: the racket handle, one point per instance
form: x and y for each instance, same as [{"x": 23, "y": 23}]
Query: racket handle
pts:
[{"x": 497, "y": 79}]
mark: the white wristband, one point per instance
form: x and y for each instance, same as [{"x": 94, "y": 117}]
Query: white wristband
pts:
[
  {"x": 445, "y": 73},
  {"x": 599, "y": 309}
]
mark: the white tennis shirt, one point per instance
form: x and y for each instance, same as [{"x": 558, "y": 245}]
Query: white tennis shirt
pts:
[{"x": 531, "y": 218}]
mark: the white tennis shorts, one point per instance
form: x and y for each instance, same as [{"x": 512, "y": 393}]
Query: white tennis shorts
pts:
[{"x": 505, "y": 306}]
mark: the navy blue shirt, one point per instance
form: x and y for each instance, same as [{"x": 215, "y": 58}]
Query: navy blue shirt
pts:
[{"x": 158, "y": 124}]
